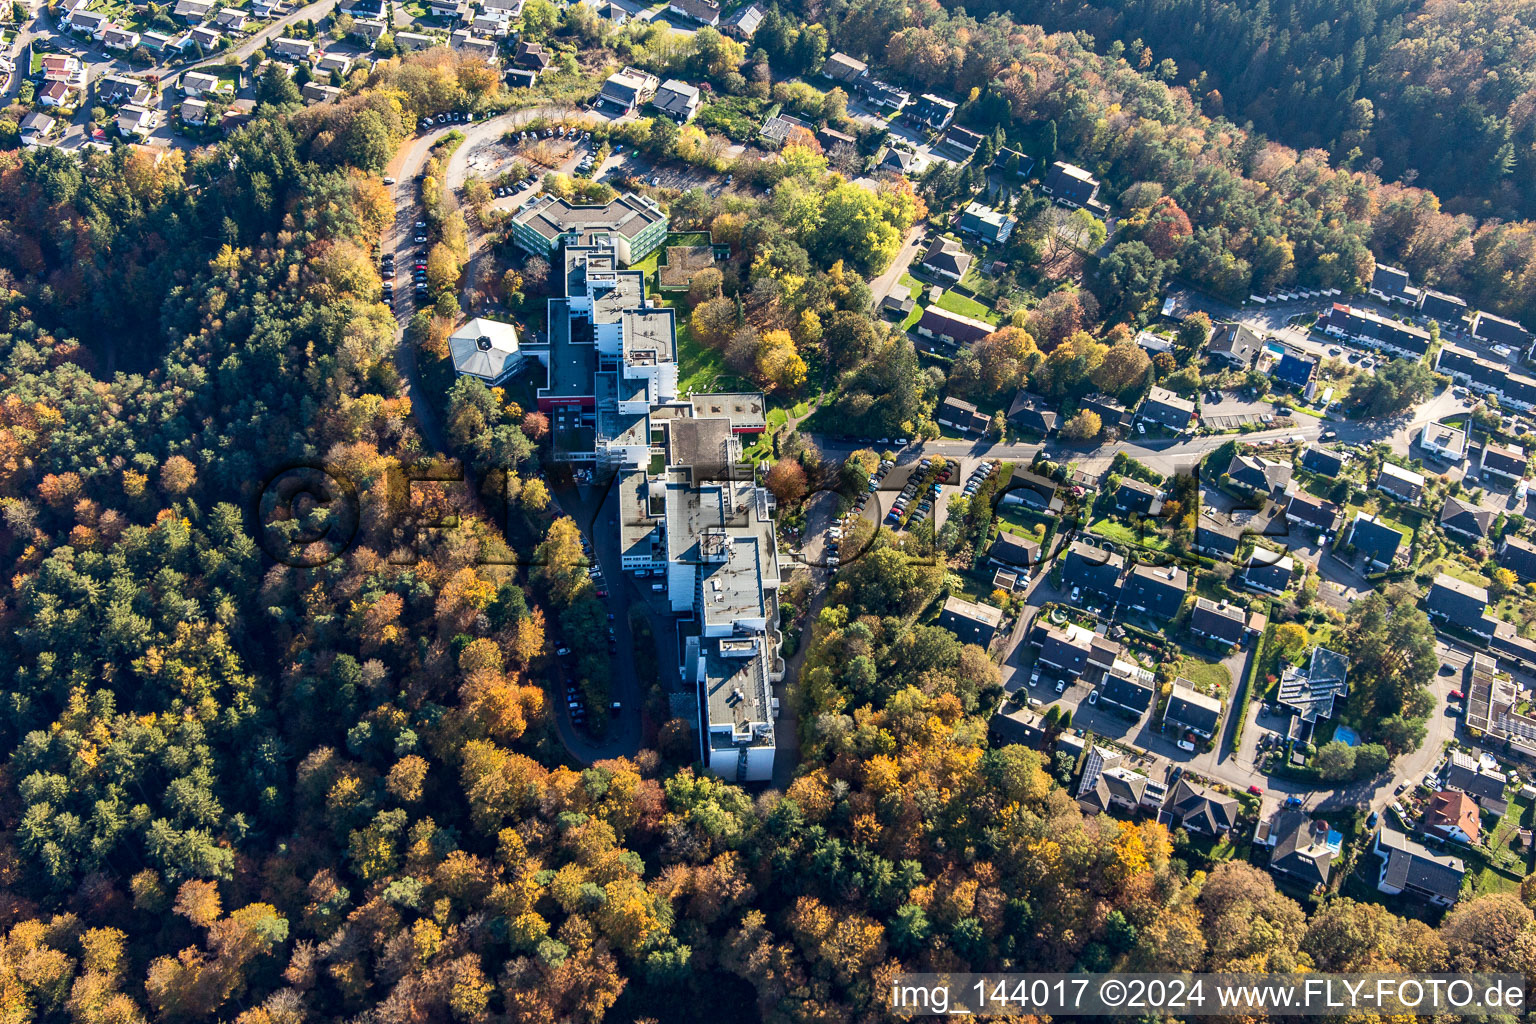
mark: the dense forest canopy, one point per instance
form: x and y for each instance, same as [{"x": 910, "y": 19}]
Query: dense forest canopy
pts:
[{"x": 1431, "y": 91}]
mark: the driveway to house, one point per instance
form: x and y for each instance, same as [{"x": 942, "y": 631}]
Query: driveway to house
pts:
[{"x": 882, "y": 286}]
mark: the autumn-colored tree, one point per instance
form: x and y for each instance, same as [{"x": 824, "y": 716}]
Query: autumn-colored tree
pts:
[{"x": 787, "y": 480}]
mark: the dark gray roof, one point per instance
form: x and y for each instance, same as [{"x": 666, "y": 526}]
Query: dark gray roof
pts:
[
  {"x": 1126, "y": 693},
  {"x": 1190, "y": 708},
  {"x": 1518, "y": 555},
  {"x": 1295, "y": 851},
  {"x": 1159, "y": 590},
  {"x": 1376, "y": 540},
  {"x": 1011, "y": 549},
  {"x": 1410, "y": 865},
  {"x": 1091, "y": 567},
  {"x": 1321, "y": 460},
  {"x": 1202, "y": 809},
  {"x": 1224, "y": 621},
  {"x": 1465, "y": 517}
]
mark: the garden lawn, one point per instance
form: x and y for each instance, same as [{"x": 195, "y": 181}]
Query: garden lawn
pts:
[
  {"x": 1208, "y": 676},
  {"x": 1122, "y": 534},
  {"x": 955, "y": 302}
]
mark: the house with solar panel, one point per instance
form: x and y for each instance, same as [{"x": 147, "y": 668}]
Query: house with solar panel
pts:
[{"x": 1311, "y": 691}]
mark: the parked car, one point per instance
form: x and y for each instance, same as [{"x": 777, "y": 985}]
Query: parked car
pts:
[{"x": 1255, "y": 790}]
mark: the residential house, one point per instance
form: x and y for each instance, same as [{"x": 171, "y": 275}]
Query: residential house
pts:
[
  {"x": 450, "y": 10},
  {"x": 1234, "y": 344},
  {"x": 952, "y": 328},
  {"x": 1457, "y": 602},
  {"x": 231, "y": 19},
  {"x": 844, "y": 69},
  {"x": 135, "y": 122},
  {"x": 1032, "y": 491},
  {"x": 1217, "y": 535},
  {"x": 626, "y": 90},
  {"x": 199, "y": 83},
  {"x": 1485, "y": 376},
  {"x": 1495, "y": 330},
  {"x": 972, "y": 623},
  {"x": 705, "y": 12},
  {"x": 962, "y": 416},
  {"x": 1452, "y": 814},
  {"x": 1403, "y": 484},
  {"x": 532, "y": 56},
  {"x": 410, "y": 42},
  {"x": 1154, "y": 343},
  {"x": 90, "y": 22},
  {"x": 1063, "y": 649},
  {"x": 1128, "y": 690},
  {"x": 368, "y": 30},
  {"x": 1190, "y": 711},
  {"x": 120, "y": 39},
  {"x": 1296, "y": 370},
  {"x": 1093, "y": 571},
  {"x": 314, "y": 92},
  {"x": 1070, "y": 185},
  {"x": 778, "y": 129},
  {"x": 334, "y": 63},
  {"x": 291, "y": 50},
  {"x": 1374, "y": 541},
  {"x": 492, "y": 25},
  {"x": 522, "y": 78},
  {"x": 744, "y": 22},
  {"x": 1014, "y": 552},
  {"x": 946, "y": 258},
  {"x": 896, "y": 161},
  {"x": 1450, "y": 310},
  {"x": 1519, "y": 556},
  {"x": 1322, "y": 461},
  {"x": 677, "y": 100},
  {"x": 119, "y": 89},
  {"x": 1391, "y": 285},
  {"x": 883, "y": 95},
  {"x": 1032, "y": 412},
  {"x": 54, "y": 94},
  {"x": 898, "y": 303},
  {"x": 35, "y": 128},
  {"x": 831, "y": 137},
  {"x": 1301, "y": 850},
  {"x": 1443, "y": 441},
  {"x": 1503, "y": 460},
  {"x": 932, "y": 112},
  {"x": 1167, "y": 409},
  {"x": 194, "y": 112},
  {"x": 1259, "y": 475},
  {"x": 1201, "y": 810},
  {"x": 1310, "y": 690},
  {"x": 155, "y": 42},
  {"x": 1269, "y": 572},
  {"x": 1310, "y": 513},
  {"x": 1155, "y": 590},
  {"x": 993, "y": 226},
  {"x": 1469, "y": 521},
  {"x": 193, "y": 11},
  {"x": 1373, "y": 330},
  {"x": 1137, "y": 497},
  {"x": 1223, "y": 622},
  {"x": 1410, "y": 867},
  {"x": 265, "y": 8},
  {"x": 462, "y": 42},
  {"x": 1468, "y": 775},
  {"x": 1117, "y": 788},
  {"x": 1112, "y": 413},
  {"x": 205, "y": 38},
  {"x": 960, "y": 143}
]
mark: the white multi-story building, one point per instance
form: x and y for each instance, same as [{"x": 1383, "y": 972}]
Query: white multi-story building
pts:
[{"x": 688, "y": 510}]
